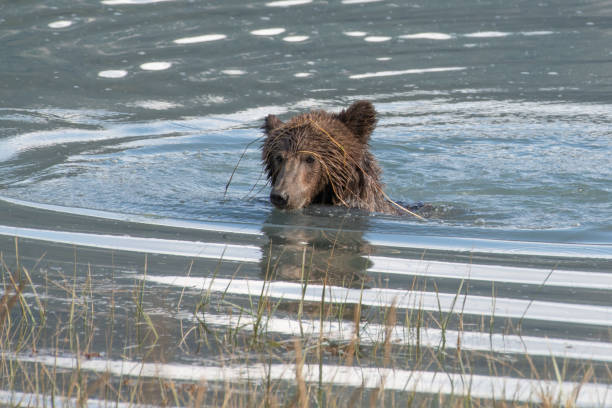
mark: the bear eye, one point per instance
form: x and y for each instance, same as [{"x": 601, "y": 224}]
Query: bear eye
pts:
[
  {"x": 278, "y": 158},
  {"x": 310, "y": 159}
]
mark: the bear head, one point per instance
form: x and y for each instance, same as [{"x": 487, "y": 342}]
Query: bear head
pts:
[{"x": 322, "y": 158}]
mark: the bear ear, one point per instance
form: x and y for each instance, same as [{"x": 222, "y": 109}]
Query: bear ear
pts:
[
  {"x": 360, "y": 118},
  {"x": 270, "y": 123}
]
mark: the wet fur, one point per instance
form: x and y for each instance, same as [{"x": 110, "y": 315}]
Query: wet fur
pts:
[{"x": 347, "y": 174}]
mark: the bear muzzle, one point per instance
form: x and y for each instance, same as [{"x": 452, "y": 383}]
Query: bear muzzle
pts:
[
  {"x": 286, "y": 199},
  {"x": 280, "y": 200}
]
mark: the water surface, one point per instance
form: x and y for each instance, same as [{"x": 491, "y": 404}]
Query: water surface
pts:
[{"x": 122, "y": 122}]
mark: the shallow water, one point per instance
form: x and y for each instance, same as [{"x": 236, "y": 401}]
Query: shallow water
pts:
[{"x": 122, "y": 121}]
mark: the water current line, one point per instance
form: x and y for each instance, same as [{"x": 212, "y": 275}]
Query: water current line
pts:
[
  {"x": 371, "y": 333},
  {"x": 402, "y": 299},
  {"x": 476, "y": 386},
  {"x": 25, "y": 399}
]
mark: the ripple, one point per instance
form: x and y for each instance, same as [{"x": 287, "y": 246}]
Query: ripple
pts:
[
  {"x": 60, "y": 24},
  {"x": 355, "y": 33},
  {"x": 233, "y": 72},
  {"x": 423, "y": 382},
  {"x": 155, "y": 66},
  {"x": 287, "y": 3},
  {"x": 200, "y": 38},
  {"x": 112, "y": 73},
  {"x": 427, "y": 36},
  {"x": 296, "y": 38},
  {"x": 268, "y": 31},
  {"x": 155, "y": 105},
  {"x": 302, "y": 74},
  {"x": 487, "y": 34},
  {"x": 377, "y": 38},
  {"x": 359, "y": 1},
  {"x": 532, "y": 33},
  {"x": 130, "y": 2},
  {"x": 405, "y": 72}
]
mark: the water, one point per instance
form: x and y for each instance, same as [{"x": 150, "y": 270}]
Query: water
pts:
[{"x": 122, "y": 121}]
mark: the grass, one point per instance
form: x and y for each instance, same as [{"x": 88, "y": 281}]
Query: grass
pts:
[{"x": 49, "y": 316}]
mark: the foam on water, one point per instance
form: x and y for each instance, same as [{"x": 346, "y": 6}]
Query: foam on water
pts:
[
  {"x": 536, "y": 33},
  {"x": 155, "y": 66},
  {"x": 156, "y": 105},
  {"x": 287, "y": 3},
  {"x": 359, "y": 1},
  {"x": 405, "y": 72},
  {"x": 427, "y": 36},
  {"x": 200, "y": 39},
  {"x": 487, "y": 34},
  {"x": 113, "y": 73},
  {"x": 377, "y": 38},
  {"x": 60, "y": 24},
  {"x": 131, "y": 2},
  {"x": 296, "y": 38},
  {"x": 268, "y": 31},
  {"x": 355, "y": 33},
  {"x": 233, "y": 72}
]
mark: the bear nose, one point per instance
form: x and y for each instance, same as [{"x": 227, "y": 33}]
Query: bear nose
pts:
[{"x": 279, "y": 199}]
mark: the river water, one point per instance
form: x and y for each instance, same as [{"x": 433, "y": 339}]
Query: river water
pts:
[{"x": 132, "y": 126}]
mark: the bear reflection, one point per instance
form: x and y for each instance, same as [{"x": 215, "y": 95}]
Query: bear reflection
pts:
[{"x": 316, "y": 245}]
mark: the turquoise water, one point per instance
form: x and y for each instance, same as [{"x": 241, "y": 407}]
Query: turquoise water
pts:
[
  {"x": 122, "y": 121},
  {"x": 500, "y": 113}
]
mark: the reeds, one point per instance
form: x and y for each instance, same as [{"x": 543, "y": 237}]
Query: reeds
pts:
[{"x": 49, "y": 318}]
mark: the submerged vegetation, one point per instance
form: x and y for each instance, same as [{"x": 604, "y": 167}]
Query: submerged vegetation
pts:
[{"x": 108, "y": 335}]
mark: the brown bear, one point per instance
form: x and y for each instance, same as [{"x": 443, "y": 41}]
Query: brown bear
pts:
[{"x": 324, "y": 158}]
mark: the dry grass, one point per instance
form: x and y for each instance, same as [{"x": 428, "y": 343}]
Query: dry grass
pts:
[{"x": 74, "y": 316}]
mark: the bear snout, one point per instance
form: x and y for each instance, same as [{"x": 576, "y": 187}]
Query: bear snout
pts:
[{"x": 280, "y": 200}]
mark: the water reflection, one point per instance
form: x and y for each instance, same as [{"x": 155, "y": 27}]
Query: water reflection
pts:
[{"x": 314, "y": 249}]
